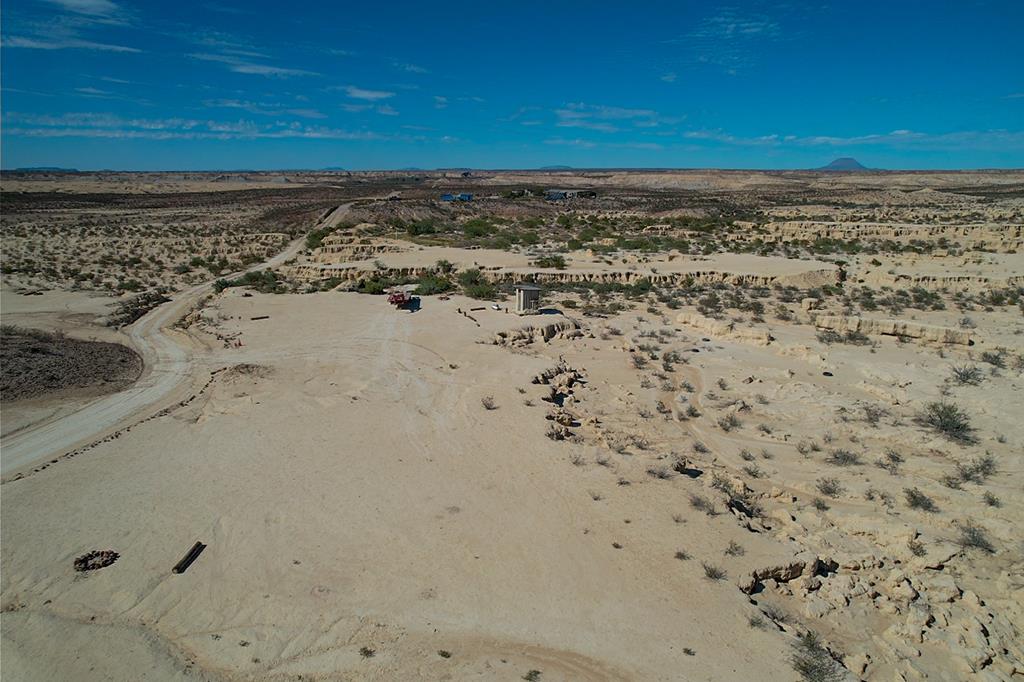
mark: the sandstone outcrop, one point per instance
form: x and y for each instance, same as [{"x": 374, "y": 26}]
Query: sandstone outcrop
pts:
[
  {"x": 913, "y": 330},
  {"x": 725, "y": 329}
]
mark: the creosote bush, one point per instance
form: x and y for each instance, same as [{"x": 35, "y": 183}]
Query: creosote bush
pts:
[
  {"x": 712, "y": 572},
  {"x": 918, "y": 500},
  {"x": 973, "y": 536},
  {"x": 949, "y": 420},
  {"x": 967, "y": 375},
  {"x": 830, "y": 487},
  {"x": 843, "y": 458},
  {"x": 812, "y": 661}
]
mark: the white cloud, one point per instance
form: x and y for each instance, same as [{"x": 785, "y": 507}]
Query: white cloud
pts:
[
  {"x": 369, "y": 95},
  {"x": 669, "y": 77},
  {"x": 68, "y": 43},
  {"x": 902, "y": 139},
  {"x": 93, "y": 125},
  {"x": 440, "y": 102},
  {"x": 240, "y": 65},
  {"x": 608, "y": 119},
  {"x": 96, "y": 8},
  {"x": 410, "y": 68},
  {"x": 263, "y": 108}
]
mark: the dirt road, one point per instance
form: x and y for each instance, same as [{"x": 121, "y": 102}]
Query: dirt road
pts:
[{"x": 168, "y": 365}]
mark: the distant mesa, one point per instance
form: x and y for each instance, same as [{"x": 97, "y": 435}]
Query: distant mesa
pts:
[
  {"x": 555, "y": 168},
  {"x": 333, "y": 168},
  {"x": 45, "y": 169},
  {"x": 846, "y": 164}
]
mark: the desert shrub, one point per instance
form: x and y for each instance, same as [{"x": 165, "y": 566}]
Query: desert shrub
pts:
[
  {"x": 775, "y": 613},
  {"x": 728, "y": 422},
  {"x": 820, "y": 504},
  {"x": 550, "y": 261},
  {"x": 433, "y": 284},
  {"x": 991, "y": 500},
  {"x": 973, "y": 536},
  {"x": 703, "y": 504},
  {"x": 734, "y": 549},
  {"x": 873, "y": 414},
  {"x": 477, "y": 227},
  {"x": 977, "y": 470},
  {"x": 993, "y": 358},
  {"x": 488, "y": 402},
  {"x": 812, "y": 661},
  {"x": 843, "y": 458},
  {"x": 700, "y": 448},
  {"x": 918, "y": 500},
  {"x": 661, "y": 472},
  {"x": 712, "y": 572},
  {"x": 830, "y": 487},
  {"x": 968, "y": 375},
  {"x": 313, "y": 240},
  {"x": 916, "y": 547},
  {"x": 263, "y": 281},
  {"x": 682, "y": 555},
  {"x": 890, "y": 461},
  {"x": 949, "y": 420},
  {"x": 753, "y": 471}
]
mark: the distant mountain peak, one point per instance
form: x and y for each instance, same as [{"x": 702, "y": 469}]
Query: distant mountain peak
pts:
[{"x": 845, "y": 163}]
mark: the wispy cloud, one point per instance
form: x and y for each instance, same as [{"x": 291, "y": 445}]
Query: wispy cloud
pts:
[
  {"x": 92, "y": 125},
  {"x": 590, "y": 144},
  {"x": 440, "y": 102},
  {"x": 239, "y": 64},
  {"x": 608, "y": 119},
  {"x": 410, "y": 68},
  {"x": 898, "y": 139},
  {"x": 96, "y": 8},
  {"x": 729, "y": 39},
  {"x": 669, "y": 77},
  {"x": 263, "y": 108},
  {"x": 383, "y": 109},
  {"x": 65, "y": 43},
  {"x": 369, "y": 95}
]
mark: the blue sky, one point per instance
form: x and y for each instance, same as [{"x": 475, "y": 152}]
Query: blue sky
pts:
[{"x": 127, "y": 84}]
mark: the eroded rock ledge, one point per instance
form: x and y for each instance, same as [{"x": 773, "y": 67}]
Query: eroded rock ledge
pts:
[{"x": 914, "y": 330}]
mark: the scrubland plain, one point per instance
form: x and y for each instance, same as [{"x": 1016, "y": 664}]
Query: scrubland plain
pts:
[{"x": 765, "y": 426}]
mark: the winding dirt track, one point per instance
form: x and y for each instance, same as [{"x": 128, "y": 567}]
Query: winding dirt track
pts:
[{"x": 168, "y": 366}]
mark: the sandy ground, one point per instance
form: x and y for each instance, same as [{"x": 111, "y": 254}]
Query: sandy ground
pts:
[
  {"x": 453, "y": 527},
  {"x": 367, "y": 516},
  {"x": 449, "y": 527}
]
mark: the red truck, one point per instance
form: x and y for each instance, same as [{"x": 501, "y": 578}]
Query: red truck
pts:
[{"x": 400, "y": 299}]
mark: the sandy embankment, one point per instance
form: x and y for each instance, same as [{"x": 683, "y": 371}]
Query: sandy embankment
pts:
[{"x": 445, "y": 527}]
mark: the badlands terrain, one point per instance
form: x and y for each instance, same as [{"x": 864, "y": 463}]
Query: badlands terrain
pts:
[{"x": 764, "y": 426}]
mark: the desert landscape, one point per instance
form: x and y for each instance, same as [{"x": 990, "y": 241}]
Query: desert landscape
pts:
[{"x": 298, "y": 425}]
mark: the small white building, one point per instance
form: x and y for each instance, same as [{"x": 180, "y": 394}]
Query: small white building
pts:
[{"x": 527, "y": 298}]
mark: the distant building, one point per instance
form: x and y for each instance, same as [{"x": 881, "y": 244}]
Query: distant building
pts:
[
  {"x": 462, "y": 196},
  {"x": 566, "y": 194},
  {"x": 527, "y": 298}
]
